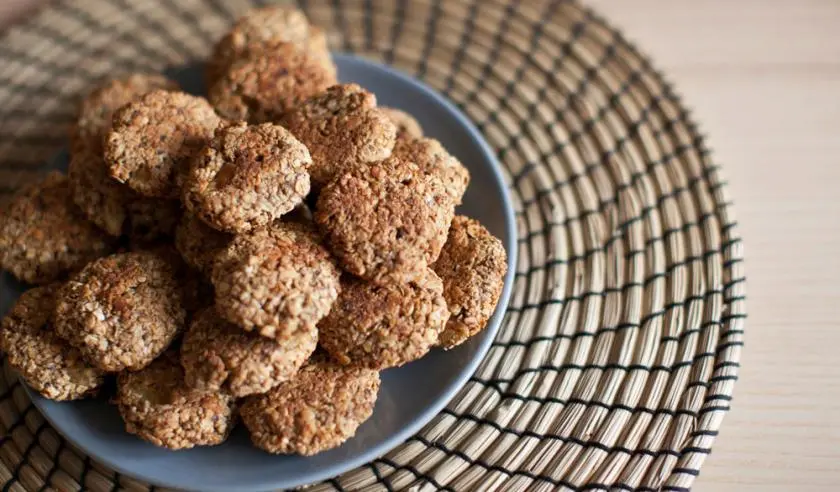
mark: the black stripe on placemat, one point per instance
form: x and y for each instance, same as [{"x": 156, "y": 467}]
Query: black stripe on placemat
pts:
[
  {"x": 414, "y": 471},
  {"x": 190, "y": 19},
  {"x": 341, "y": 23},
  {"x": 396, "y": 30},
  {"x": 466, "y": 34},
  {"x": 154, "y": 26},
  {"x": 428, "y": 39},
  {"x": 384, "y": 481},
  {"x": 54, "y": 467},
  {"x": 86, "y": 467}
]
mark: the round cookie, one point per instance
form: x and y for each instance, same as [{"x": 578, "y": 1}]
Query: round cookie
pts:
[
  {"x": 97, "y": 109},
  {"x": 278, "y": 282},
  {"x": 112, "y": 206},
  {"x": 217, "y": 355},
  {"x": 341, "y": 127},
  {"x": 246, "y": 177},
  {"x": 432, "y": 159},
  {"x": 384, "y": 217},
  {"x": 407, "y": 127},
  {"x": 200, "y": 244},
  {"x": 153, "y": 138},
  {"x": 384, "y": 325},
  {"x": 268, "y": 83},
  {"x": 317, "y": 410},
  {"x": 265, "y": 27},
  {"x": 44, "y": 236},
  {"x": 472, "y": 266},
  {"x": 122, "y": 311},
  {"x": 46, "y": 362},
  {"x": 159, "y": 407}
]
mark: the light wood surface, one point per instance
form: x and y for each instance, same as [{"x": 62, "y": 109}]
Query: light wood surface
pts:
[{"x": 763, "y": 78}]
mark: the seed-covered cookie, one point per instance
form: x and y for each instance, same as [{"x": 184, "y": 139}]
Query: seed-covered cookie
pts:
[
  {"x": 317, "y": 410},
  {"x": 385, "y": 217},
  {"x": 341, "y": 127},
  {"x": 278, "y": 282},
  {"x": 46, "y": 362},
  {"x": 153, "y": 138},
  {"x": 217, "y": 355},
  {"x": 407, "y": 127},
  {"x": 122, "y": 311},
  {"x": 200, "y": 244},
  {"x": 472, "y": 266},
  {"x": 268, "y": 83},
  {"x": 387, "y": 324},
  {"x": 158, "y": 406},
  {"x": 432, "y": 159},
  {"x": 247, "y": 176},
  {"x": 44, "y": 236},
  {"x": 97, "y": 109}
]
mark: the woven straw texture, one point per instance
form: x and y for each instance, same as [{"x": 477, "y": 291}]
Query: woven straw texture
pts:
[{"x": 616, "y": 360}]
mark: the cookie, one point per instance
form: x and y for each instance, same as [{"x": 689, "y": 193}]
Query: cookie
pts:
[
  {"x": 341, "y": 127},
  {"x": 97, "y": 109},
  {"x": 278, "y": 282},
  {"x": 387, "y": 324},
  {"x": 160, "y": 408},
  {"x": 43, "y": 235},
  {"x": 200, "y": 244},
  {"x": 153, "y": 138},
  {"x": 407, "y": 127},
  {"x": 472, "y": 266},
  {"x": 121, "y": 311},
  {"x": 217, "y": 355},
  {"x": 47, "y": 363},
  {"x": 246, "y": 177},
  {"x": 317, "y": 410},
  {"x": 383, "y": 218},
  {"x": 268, "y": 83},
  {"x": 432, "y": 159}
]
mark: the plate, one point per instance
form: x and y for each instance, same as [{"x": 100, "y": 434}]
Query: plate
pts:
[{"x": 409, "y": 397}]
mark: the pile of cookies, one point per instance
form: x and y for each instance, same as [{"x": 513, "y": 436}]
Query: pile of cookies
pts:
[{"x": 179, "y": 254}]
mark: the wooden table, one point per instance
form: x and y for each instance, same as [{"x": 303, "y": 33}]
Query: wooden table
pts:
[{"x": 763, "y": 77}]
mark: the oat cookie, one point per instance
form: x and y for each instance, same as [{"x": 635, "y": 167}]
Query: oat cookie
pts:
[
  {"x": 384, "y": 217},
  {"x": 384, "y": 325},
  {"x": 278, "y": 282},
  {"x": 246, "y": 177},
  {"x": 97, "y": 109},
  {"x": 48, "y": 363},
  {"x": 432, "y": 159},
  {"x": 153, "y": 138},
  {"x": 318, "y": 410},
  {"x": 268, "y": 83},
  {"x": 407, "y": 127},
  {"x": 199, "y": 244},
  {"x": 341, "y": 127},
  {"x": 472, "y": 266},
  {"x": 217, "y": 355},
  {"x": 159, "y": 407},
  {"x": 44, "y": 236},
  {"x": 121, "y": 311}
]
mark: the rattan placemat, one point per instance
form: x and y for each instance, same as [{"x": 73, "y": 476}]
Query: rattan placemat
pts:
[{"x": 618, "y": 354}]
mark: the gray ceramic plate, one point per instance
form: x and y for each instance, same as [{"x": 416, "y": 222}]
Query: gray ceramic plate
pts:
[{"x": 410, "y": 395}]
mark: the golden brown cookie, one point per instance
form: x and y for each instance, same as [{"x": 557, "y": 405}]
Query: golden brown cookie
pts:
[
  {"x": 472, "y": 266},
  {"x": 97, "y": 109},
  {"x": 384, "y": 217},
  {"x": 122, "y": 311},
  {"x": 44, "y": 236},
  {"x": 246, "y": 177},
  {"x": 384, "y": 325},
  {"x": 217, "y": 355},
  {"x": 278, "y": 282},
  {"x": 153, "y": 138},
  {"x": 341, "y": 127},
  {"x": 199, "y": 244},
  {"x": 46, "y": 362},
  {"x": 407, "y": 127},
  {"x": 318, "y": 410},
  {"x": 268, "y": 83},
  {"x": 432, "y": 159},
  {"x": 159, "y": 407}
]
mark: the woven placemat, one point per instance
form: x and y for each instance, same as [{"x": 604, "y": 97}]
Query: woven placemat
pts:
[{"x": 618, "y": 354}]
